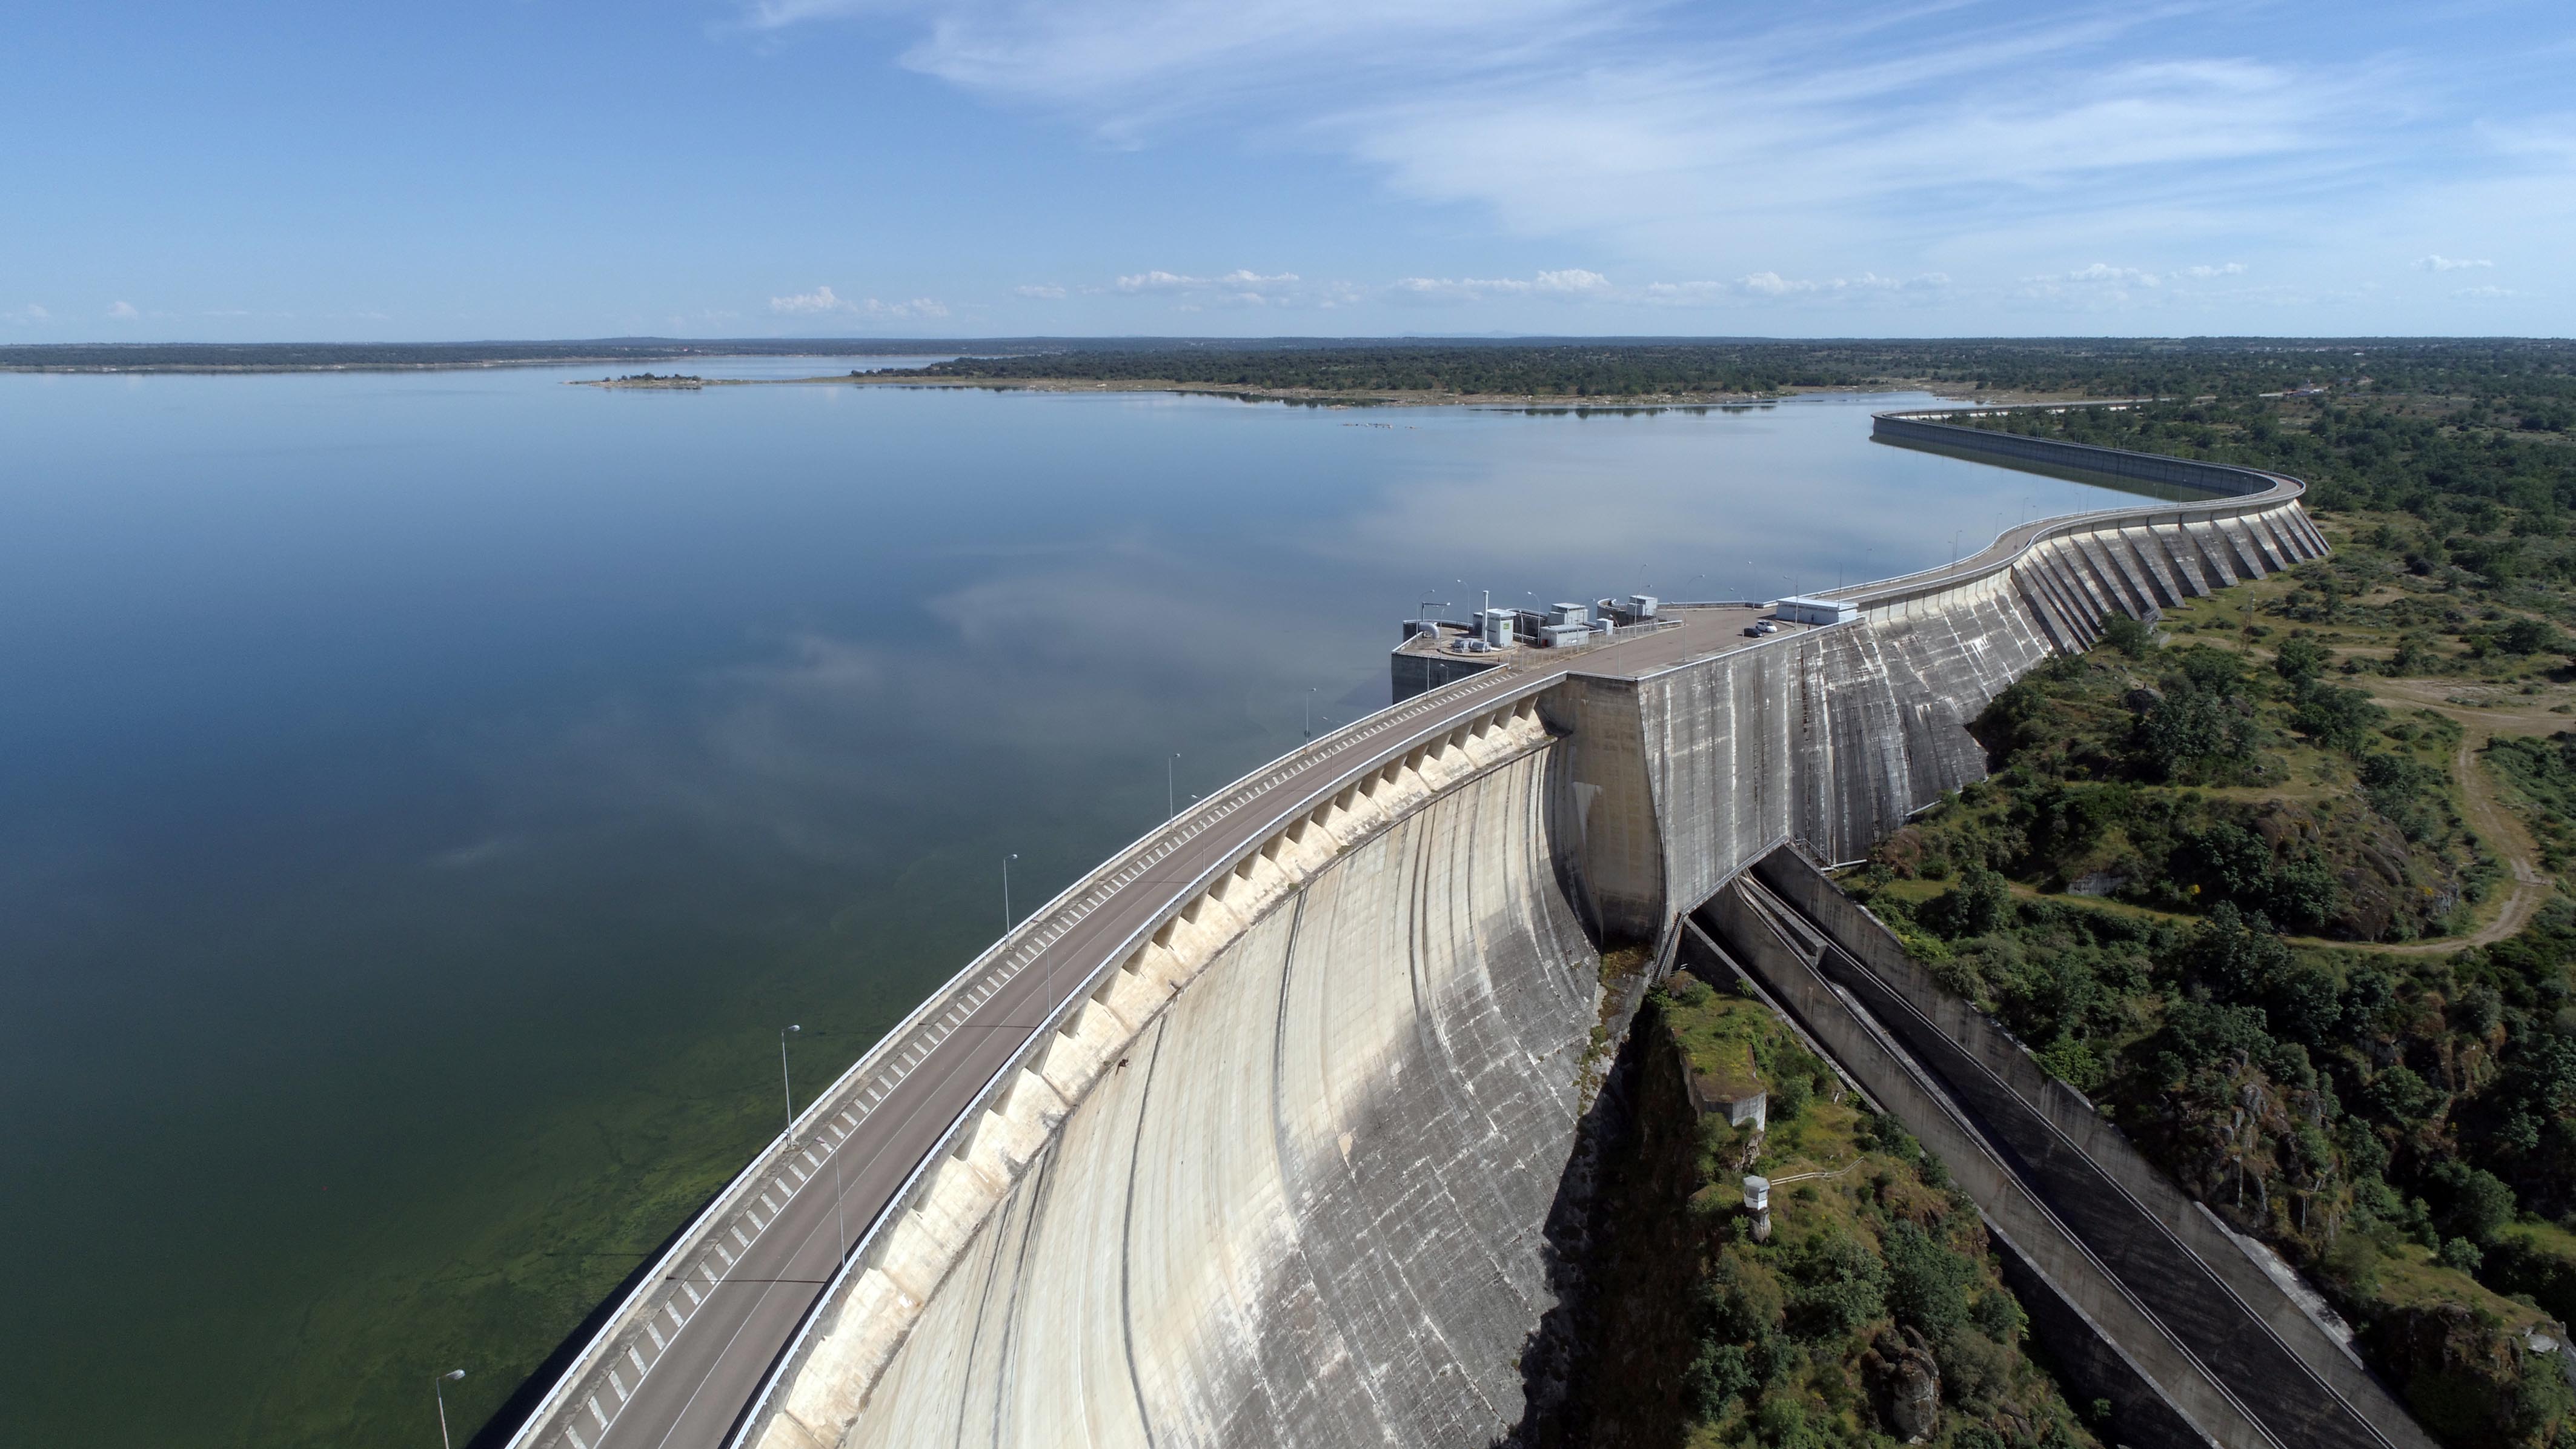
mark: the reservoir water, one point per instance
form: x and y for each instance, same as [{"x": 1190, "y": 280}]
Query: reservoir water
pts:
[{"x": 425, "y": 797}]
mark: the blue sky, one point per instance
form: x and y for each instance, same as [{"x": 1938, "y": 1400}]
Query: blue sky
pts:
[{"x": 559, "y": 168}]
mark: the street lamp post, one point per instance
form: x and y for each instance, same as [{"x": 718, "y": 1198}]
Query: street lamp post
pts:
[
  {"x": 785, "y": 1090},
  {"x": 1169, "y": 809},
  {"x": 438, "y": 1387},
  {"x": 1310, "y": 712},
  {"x": 1006, "y": 893}
]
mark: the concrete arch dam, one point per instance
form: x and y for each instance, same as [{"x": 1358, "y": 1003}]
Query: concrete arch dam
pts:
[{"x": 1253, "y": 1135}]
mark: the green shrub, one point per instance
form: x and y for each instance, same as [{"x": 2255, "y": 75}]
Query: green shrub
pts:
[
  {"x": 1840, "y": 1285},
  {"x": 1998, "y": 1316},
  {"x": 2133, "y": 637},
  {"x": 1927, "y": 1283},
  {"x": 1790, "y": 1098},
  {"x": 2301, "y": 658}
]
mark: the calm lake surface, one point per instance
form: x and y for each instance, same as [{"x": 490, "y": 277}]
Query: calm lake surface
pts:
[{"x": 424, "y": 797}]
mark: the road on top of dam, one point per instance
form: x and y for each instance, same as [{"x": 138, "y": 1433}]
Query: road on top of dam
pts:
[{"x": 715, "y": 1363}]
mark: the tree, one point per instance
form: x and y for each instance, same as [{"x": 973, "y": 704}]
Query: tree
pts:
[
  {"x": 2133, "y": 637},
  {"x": 2529, "y": 636},
  {"x": 2181, "y": 728},
  {"x": 2475, "y": 1203},
  {"x": 2301, "y": 658},
  {"x": 1927, "y": 1283},
  {"x": 2333, "y": 715},
  {"x": 1979, "y": 905}
]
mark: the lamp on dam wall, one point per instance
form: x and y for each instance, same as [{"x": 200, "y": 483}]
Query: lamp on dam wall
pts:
[
  {"x": 438, "y": 1387},
  {"x": 783, "y": 1087}
]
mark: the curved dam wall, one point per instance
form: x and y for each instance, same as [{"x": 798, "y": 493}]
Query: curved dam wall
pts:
[
  {"x": 1284, "y": 1172},
  {"x": 1280, "y": 1177},
  {"x": 1833, "y": 737},
  {"x": 1306, "y": 1210}
]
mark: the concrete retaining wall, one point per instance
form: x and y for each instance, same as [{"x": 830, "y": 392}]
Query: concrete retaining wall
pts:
[
  {"x": 2174, "y": 1256},
  {"x": 1413, "y": 674},
  {"x": 2163, "y": 1396}
]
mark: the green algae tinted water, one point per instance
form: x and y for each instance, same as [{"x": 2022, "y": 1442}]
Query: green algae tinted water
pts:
[{"x": 424, "y": 797}]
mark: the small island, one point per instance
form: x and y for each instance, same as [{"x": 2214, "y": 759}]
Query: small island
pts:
[{"x": 676, "y": 381}]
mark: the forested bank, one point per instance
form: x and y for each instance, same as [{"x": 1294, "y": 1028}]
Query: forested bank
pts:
[
  {"x": 2235, "y": 370},
  {"x": 2278, "y": 880}
]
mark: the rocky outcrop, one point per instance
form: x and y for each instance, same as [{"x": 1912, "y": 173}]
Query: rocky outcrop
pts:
[{"x": 1906, "y": 1382}]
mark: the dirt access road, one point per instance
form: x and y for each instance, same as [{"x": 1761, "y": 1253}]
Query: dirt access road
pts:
[{"x": 2494, "y": 822}]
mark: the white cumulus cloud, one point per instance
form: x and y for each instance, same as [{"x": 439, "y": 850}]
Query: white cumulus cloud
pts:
[
  {"x": 123, "y": 312},
  {"x": 1239, "y": 279},
  {"x": 1241, "y": 287},
  {"x": 824, "y": 302},
  {"x": 1772, "y": 284},
  {"x": 1572, "y": 282},
  {"x": 2440, "y": 263}
]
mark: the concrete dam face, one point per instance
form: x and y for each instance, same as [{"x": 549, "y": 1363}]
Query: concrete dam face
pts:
[
  {"x": 1307, "y": 1208},
  {"x": 1274, "y": 1156}
]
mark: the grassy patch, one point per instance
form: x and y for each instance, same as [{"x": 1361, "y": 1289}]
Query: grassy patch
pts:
[{"x": 1876, "y": 1279}]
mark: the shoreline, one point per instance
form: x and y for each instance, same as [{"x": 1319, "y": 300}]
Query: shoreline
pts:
[
  {"x": 1311, "y": 397},
  {"x": 1329, "y": 398}
]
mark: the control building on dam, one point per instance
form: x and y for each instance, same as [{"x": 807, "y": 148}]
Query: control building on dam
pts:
[{"x": 1256, "y": 1134}]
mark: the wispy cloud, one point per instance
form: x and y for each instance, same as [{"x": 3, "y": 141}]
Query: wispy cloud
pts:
[
  {"x": 1241, "y": 287},
  {"x": 1960, "y": 137},
  {"x": 1581, "y": 285},
  {"x": 824, "y": 302},
  {"x": 1043, "y": 291},
  {"x": 2105, "y": 274},
  {"x": 2439, "y": 263},
  {"x": 1772, "y": 284},
  {"x": 1571, "y": 283},
  {"x": 1162, "y": 281},
  {"x": 123, "y": 312}
]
